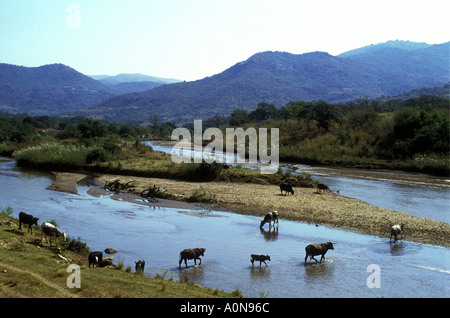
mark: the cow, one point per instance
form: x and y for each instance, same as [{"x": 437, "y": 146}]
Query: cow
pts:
[
  {"x": 140, "y": 264},
  {"x": 95, "y": 258},
  {"x": 269, "y": 217},
  {"x": 50, "y": 230},
  {"x": 260, "y": 258},
  {"x": 27, "y": 219},
  {"x": 396, "y": 230},
  {"x": 191, "y": 253},
  {"x": 322, "y": 187},
  {"x": 286, "y": 188},
  {"x": 318, "y": 249}
]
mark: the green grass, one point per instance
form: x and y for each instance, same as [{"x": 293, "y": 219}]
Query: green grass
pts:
[{"x": 53, "y": 156}]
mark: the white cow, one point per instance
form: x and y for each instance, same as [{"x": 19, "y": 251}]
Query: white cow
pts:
[
  {"x": 49, "y": 230},
  {"x": 396, "y": 230}
]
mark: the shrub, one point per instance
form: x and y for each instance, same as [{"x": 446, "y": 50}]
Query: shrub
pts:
[{"x": 96, "y": 155}]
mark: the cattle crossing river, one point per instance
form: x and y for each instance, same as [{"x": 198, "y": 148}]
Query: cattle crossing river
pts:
[{"x": 359, "y": 266}]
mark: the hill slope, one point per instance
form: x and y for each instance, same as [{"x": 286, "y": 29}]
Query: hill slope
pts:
[
  {"x": 47, "y": 90},
  {"x": 280, "y": 77}
]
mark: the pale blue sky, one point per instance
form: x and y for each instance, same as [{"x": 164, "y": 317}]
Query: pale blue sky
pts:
[{"x": 192, "y": 39}]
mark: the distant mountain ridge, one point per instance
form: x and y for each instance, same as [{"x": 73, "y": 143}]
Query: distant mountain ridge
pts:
[
  {"x": 47, "y": 90},
  {"x": 129, "y": 83},
  {"x": 280, "y": 77},
  {"x": 388, "y": 69}
]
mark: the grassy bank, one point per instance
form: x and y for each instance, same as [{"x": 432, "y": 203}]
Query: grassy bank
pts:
[
  {"x": 143, "y": 162},
  {"x": 30, "y": 268}
]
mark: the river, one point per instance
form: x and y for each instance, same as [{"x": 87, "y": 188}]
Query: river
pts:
[
  {"x": 414, "y": 193},
  {"x": 359, "y": 266}
]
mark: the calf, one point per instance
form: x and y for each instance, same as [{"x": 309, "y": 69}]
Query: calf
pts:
[
  {"x": 260, "y": 258},
  {"x": 286, "y": 188},
  {"x": 318, "y": 249},
  {"x": 191, "y": 253},
  {"x": 27, "y": 219},
  {"x": 50, "y": 230},
  {"x": 140, "y": 264},
  {"x": 269, "y": 217},
  {"x": 95, "y": 258},
  {"x": 396, "y": 230}
]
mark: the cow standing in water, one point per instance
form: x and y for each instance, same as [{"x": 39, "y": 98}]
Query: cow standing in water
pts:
[
  {"x": 396, "y": 230},
  {"x": 269, "y": 217},
  {"x": 260, "y": 258},
  {"x": 191, "y": 253},
  {"x": 318, "y": 249}
]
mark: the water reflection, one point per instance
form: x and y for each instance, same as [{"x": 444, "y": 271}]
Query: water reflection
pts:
[
  {"x": 271, "y": 234},
  {"x": 397, "y": 248},
  {"x": 320, "y": 271}
]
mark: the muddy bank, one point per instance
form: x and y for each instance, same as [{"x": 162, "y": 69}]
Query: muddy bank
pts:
[
  {"x": 66, "y": 182},
  {"x": 305, "y": 206}
]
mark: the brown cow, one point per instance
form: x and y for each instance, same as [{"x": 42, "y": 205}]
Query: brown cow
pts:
[
  {"x": 318, "y": 249},
  {"x": 191, "y": 253}
]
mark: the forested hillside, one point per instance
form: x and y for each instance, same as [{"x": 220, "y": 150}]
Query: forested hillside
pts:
[{"x": 279, "y": 77}]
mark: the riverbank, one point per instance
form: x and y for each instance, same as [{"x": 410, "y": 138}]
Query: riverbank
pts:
[
  {"x": 30, "y": 268},
  {"x": 307, "y": 205}
]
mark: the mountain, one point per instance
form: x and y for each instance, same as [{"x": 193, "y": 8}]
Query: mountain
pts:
[
  {"x": 47, "y": 90},
  {"x": 129, "y": 83},
  {"x": 136, "y": 77},
  {"x": 280, "y": 77},
  {"x": 397, "y": 44}
]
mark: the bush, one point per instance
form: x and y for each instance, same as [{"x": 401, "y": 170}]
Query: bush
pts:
[
  {"x": 200, "y": 171},
  {"x": 96, "y": 155}
]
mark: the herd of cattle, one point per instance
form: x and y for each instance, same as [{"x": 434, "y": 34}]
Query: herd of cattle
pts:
[{"x": 95, "y": 258}]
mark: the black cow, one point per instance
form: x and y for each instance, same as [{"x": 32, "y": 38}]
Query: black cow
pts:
[
  {"x": 260, "y": 258},
  {"x": 286, "y": 188},
  {"x": 140, "y": 264},
  {"x": 27, "y": 219},
  {"x": 191, "y": 253},
  {"x": 95, "y": 258},
  {"x": 318, "y": 249}
]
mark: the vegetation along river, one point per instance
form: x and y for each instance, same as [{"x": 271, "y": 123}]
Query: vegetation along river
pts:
[{"x": 359, "y": 266}]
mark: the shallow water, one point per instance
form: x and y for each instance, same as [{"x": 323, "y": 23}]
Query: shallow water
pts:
[{"x": 158, "y": 235}]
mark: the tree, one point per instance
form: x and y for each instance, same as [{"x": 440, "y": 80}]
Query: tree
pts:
[
  {"x": 326, "y": 114},
  {"x": 264, "y": 111},
  {"x": 91, "y": 128},
  {"x": 239, "y": 117}
]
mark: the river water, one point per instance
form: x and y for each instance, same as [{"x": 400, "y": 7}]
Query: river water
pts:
[
  {"x": 417, "y": 194},
  {"x": 359, "y": 266}
]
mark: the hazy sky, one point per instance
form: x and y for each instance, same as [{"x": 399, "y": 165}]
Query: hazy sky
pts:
[{"x": 192, "y": 39}]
